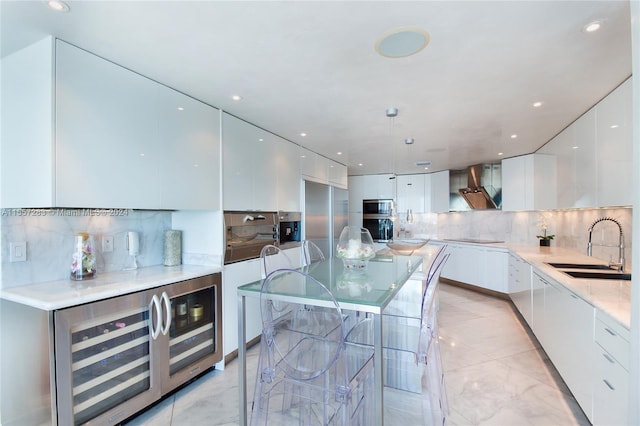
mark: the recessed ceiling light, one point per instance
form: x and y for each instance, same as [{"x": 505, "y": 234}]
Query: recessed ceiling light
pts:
[
  {"x": 613, "y": 126},
  {"x": 236, "y": 97},
  {"x": 303, "y": 134},
  {"x": 514, "y": 136},
  {"x": 360, "y": 164},
  {"x": 575, "y": 147},
  {"x": 402, "y": 42},
  {"x": 500, "y": 153},
  {"x": 57, "y": 5},
  {"x": 537, "y": 104},
  {"x": 180, "y": 108},
  {"x": 339, "y": 153},
  {"x": 260, "y": 140},
  {"x": 592, "y": 27},
  {"x": 303, "y": 156}
]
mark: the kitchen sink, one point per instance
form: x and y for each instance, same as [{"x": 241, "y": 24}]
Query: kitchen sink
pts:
[
  {"x": 578, "y": 266},
  {"x": 599, "y": 275}
]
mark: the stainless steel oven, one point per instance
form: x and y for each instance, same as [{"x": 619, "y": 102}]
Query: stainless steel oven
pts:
[
  {"x": 377, "y": 218},
  {"x": 247, "y": 233}
]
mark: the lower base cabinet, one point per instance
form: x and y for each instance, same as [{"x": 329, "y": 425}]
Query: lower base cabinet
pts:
[{"x": 113, "y": 357}]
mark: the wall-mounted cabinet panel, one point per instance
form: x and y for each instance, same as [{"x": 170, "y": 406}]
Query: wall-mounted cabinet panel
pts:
[
  {"x": 528, "y": 182},
  {"x": 289, "y": 180},
  {"x": 594, "y": 155},
  {"x": 107, "y": 150},
  {"x": 411, "y": 193},
  {"x": 117, "y": 141},
  {"x": 27, "y": 126},
  {"x": 337, "y": 174},
  {"x": 437, "y": 192},
  {"x": 249, "y": 167},
  {"x": 614, "y": 148}
]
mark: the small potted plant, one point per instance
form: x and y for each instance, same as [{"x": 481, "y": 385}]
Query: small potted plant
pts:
[{"x": 545, "y": 240}]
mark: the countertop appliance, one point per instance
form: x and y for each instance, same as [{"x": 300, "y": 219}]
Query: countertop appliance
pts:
[
  {"x": 326, "y": 213},
  {"x": 377, "y": 218},
  {"x": 290, "y": 227},
  {"x": 247, "y": 232}
]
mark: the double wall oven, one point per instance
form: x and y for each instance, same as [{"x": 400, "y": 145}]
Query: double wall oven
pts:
[{"x": 377, "y": 218}]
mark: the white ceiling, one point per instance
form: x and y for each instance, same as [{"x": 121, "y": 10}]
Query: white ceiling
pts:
[{"x": 311, "y": 67}]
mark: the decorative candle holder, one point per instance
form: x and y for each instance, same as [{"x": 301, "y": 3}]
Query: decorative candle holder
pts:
[{"x": 83, "y": 263}]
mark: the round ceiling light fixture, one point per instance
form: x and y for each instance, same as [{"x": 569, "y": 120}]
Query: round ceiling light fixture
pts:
[
  {"x": 391, "y": 112},
  {"x": 408, "y": 141},
  {"x": 402, "y": 42},
  {"x": 58, "y": 5}
]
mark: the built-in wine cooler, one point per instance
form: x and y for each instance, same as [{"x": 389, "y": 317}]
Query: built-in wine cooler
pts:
[{"x": 116, "y": 356}]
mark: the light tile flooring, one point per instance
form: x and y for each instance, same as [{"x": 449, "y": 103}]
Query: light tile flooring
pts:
[{"x": 496, "y": 374}]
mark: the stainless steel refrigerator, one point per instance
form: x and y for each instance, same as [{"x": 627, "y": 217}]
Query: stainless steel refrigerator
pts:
[{"x": 326, "y": 213}]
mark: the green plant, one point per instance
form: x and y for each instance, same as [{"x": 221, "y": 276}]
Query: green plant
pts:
[{"x": 545, "y": 236}]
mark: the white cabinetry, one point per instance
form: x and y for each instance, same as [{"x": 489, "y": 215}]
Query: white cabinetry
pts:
[
  {"x": 249, "y": 168},
  {"x": 235, "y": 275},
  {"x": 594, "y": 154},
  {"x": 320, "y": 169},
  {"x": 289, "y": 181},
  {"x": 485, "y": 267},
  {"x": 120, "y": 140},
  {"x": 520, "y": 286},
  {"x": 436, "y": 195},
  {"x": 528, "y": 182},
  {"x": 611, "y": 379},
  {"x": 564, "y": 325},
  {"x": 614, "y": 146},
  {"x": 410, "y": 193}
]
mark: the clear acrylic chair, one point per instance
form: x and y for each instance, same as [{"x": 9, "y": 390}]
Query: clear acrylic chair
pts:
[
  {"x": 273, "y": 258},
  {"x": 308, "y": 373},
  {"x": 311, "y": 253},
  {"x": 411, "y": 348}
]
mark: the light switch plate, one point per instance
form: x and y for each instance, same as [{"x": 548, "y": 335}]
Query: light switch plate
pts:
[
  {"x": 107, "y": 243},
  {"x": 18, "y": 251}
]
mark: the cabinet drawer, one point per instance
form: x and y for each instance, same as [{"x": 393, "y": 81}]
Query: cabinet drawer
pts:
[
  {"x": 611, "y": 387},
  {"x": 611, "y": 337}
]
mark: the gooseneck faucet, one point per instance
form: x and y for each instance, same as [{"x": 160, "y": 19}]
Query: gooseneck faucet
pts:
[{"x": 617, "y": 265}]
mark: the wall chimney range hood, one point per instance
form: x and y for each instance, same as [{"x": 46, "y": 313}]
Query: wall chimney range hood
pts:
[{"x": 484, "y": 186}]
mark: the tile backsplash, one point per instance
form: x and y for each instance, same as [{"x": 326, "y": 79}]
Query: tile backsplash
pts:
[
  {"x": 50, "y": 240},
  {"x": 570, "y": 228}
]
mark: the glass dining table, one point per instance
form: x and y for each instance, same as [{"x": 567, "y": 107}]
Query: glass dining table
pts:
[{"x": 369, "y": 291}]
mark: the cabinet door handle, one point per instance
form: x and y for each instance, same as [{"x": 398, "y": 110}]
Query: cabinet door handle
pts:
[
  {"x": 608, "y": 384},
  {"x": 155, "y": 305},
  {"x": 611, "y": 332},
  {"x": 609, "y": 358},
  {"x": 167, "y": 313}
]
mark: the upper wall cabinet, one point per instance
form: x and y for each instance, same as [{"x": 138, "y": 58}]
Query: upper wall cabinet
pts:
[
  {"x": 320, "y": 169},
  {"x": 436, "y": 192},
  {"x": 250, "y": 167},
  {"x": 594, "y": 155},
  {"x": 120, "y": 139},
  {"x": 410, "y": 193},
  {"x": 289, "y": 181},
  {"x": 526, "y": 182}
]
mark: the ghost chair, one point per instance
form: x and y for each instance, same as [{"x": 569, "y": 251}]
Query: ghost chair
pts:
[{"x": 308, "y": 373}]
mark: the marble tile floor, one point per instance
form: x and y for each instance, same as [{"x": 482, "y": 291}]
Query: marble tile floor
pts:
[{"x": 496, "y": 374}]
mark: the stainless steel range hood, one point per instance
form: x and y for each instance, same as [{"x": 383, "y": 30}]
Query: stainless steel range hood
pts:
[{"x": 484, "y": 186}]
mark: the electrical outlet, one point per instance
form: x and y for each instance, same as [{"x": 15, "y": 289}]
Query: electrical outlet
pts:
[
  {"x": 18, "y": 251},
  {"x": 107, "y": 243}
]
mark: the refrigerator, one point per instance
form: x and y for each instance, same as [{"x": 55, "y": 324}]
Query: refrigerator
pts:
[{"x": 326, "y": 213}]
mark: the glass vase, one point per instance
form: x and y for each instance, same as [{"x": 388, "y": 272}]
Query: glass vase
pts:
[
  {"x": 83, "y": 260},
  {"x": 355, "y": 247}
]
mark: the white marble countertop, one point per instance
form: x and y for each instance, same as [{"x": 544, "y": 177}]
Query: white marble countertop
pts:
[
  {"x": 612, "y": 297},
  {"x": 61, "y": 294}
]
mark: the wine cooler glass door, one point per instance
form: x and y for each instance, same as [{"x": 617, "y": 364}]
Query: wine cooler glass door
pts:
[{"x": 104, "y": 358}]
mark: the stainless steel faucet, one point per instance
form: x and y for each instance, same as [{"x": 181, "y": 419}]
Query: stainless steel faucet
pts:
[{"x": 619, "y": 265}]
